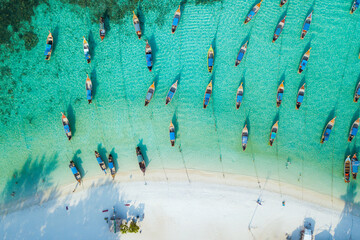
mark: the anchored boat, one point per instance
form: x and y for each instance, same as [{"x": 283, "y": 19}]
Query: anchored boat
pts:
[
  {"x": 280, "y": 94},
  {"x": 141, "y": 160},
  {"x": 244, "y": 137},
  {"x": 172, "y": 134},
  {"x": 86, "y": 50},
  {"x": 100, "y": 162},
  {"x": 136, "y": 25},
  {"x": 354, "y": 166},
  {"x": 253, "y": 12},
  {"x": 357, "y": 93},
  {"x": 282, "y": 2},
  {"x": 326, "y": 134},
  {"x": 112, "y": 166},
  {"x": 241, "y": 54},
  {"x": 347, "y": 168},
  {"x": 306, "y": 25},
  {"x": 176, "y": 20},
  {"x": 354, "y": 6},
  {"x": 239, "y": 96},
  {"x": 148, "y": 55},
  {"x": 102, "y": 28},
  {"x": 75, "y": 171},
  {"x": 171, "y": 93},
  {"x": 150, "y": 94},
  {"x": 279, "y": 29},
  {"x": 273, "y": 133},
  {"x": 49, "y": 45},
  {"x": 354, "y": 129},
  {"x": 300, "y": 97},
  {"x": 210, "y": 59},
  {"x": 207, "y": 95},
  {"x": 304, "y": 61},
  {"x": 66, "y": 125},
  {"x": 88, "y": 86}
]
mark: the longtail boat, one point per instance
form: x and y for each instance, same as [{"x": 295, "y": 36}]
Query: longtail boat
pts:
[
  {"x": 75, "y": 171},
  {"x": 172, "y": 134},
  {"x": 304, "y": 61},
  {"x": 171, "y": 92},
  {"x": 357, "y": 92},
  {"x": 141, "y": 160},
  {"x": 347, "y": 169},
  {"x": 306, "y": 25},
  {"x": 176, "y": 20},
  {"x": 88, "y": 87},
  {"x": 244, "y": 137},
  {"x": 210, "y": 56},
  {"x": 150, "y": 94},
  {"x": 241, "y": 54},
  {"x": 273, "y": 133},
  {"x": 100, "y": 162},
  {"x": 326, "y": 134},
  {"x": 49, "y": 45},
  {"x": 282, "y": 2},
  {"x": 300, "y": 97},
  {"x": 279, "y": 29},
  {"x": 239, "y": 96},
  {"x": 354, "y": 166},
  {"x": 280, "y": 94},
  {"x": 354, "y": 6},
  {"x": 148, "y": 56},
  {"x": 207, "y": 95},
  {"x": 86, "y": 50},
  {"x": 112, "y": 166},
  {"x": 102, "y": 28},
  {"x": 136, "y": 25},
  {"x": 66, "y": 125},
  {"x": 253, "y": 12},
  {"x": 353, "y": 130}
]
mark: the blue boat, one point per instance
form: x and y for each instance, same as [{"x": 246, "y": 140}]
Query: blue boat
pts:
[
  {"x": 102, "y": 29},
  {"x": 100, "y": 162},
  {"x": 306, "y": 25},
  {"x": 244, "y": 137},
  {"x": 112, "y": 166},
  {"x": 239, "y": 96},
  {"x": 326, "y": 134},
  {"x": 354, "y": 129},
  {"x": 273, "y": 133},
  {"x": 150, "y": 94},
  {"x": 357, "y": 92},
  {"x": 66, "y": 125},
  {"x": 280, "y": 94},
  {"x": 304, "y": 61},
  {"x": 171, "y": 93},
  {"x": 49, "y": 45},
  {"x": 210, "y": 59},
  {"x": 172, "y": 134},
  {"x": 300, "y": 97},
  {"x": 86, "y": 50},
  {"x": 136, "y": 23},
  {"x": 88, "y": 87},
  {"x": 354, "y": 166},
  {"x": 176, "y": 20},
  {"x": 355, "y": 6},
  {"x": 75, "y": 171},
  {"x": 279, "y": 29},
  {"x": 141, "y": 160},
  {"x": 241, "y": 54},
  {"x": 148, "y": 55},
  {"x": 253, "y": 12},
  {"x": 207, "y": 96}
]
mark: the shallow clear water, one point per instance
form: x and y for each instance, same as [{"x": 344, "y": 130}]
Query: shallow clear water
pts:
[{"x": 35, "y": 91}]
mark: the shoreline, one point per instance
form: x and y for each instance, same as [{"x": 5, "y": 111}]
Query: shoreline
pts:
[{"x": 189, "y": 176}]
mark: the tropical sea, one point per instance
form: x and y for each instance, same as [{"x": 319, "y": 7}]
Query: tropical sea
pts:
[{"x": 35, "y": 152}]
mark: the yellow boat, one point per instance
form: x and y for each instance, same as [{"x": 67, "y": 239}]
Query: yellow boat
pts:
[
  {"x": 280, "y": 94},
  {"x": 150, "y": 94},
  {"x": 86, "y": 50},
  {"x": 210, "y": 59},
  {"x": 49, "y": 45},
  {"x": 326, "y": 133},
  {"x": 273, "y": 133},
  {"x": 208, "y": 92}
]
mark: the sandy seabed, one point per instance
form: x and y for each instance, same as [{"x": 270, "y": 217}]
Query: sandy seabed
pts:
[{"x": 196, "y": 205}]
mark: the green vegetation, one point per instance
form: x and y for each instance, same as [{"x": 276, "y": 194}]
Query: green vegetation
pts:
[{"x": 132, "y": 228}]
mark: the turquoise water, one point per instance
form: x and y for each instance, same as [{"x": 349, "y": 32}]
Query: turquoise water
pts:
[{"x": 34, "y": 91}]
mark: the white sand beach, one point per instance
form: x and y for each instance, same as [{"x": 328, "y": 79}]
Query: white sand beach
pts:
[{"x": 208, "y": 206}]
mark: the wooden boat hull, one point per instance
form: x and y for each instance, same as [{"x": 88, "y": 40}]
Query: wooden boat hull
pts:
[
  {"x": 112, "y": 166},
  {"x": 210, "y": 59},
  {"x": 273, "y": 133},
  {"x": 357, "y": 93},
  {"x": 66, "y": 126},
  {"x": 150, "y": 94},
  {"x": 49, "y": 46},
  {"x": 171, "y": 93},
  {"x": 176, "y": 20},
  {"x": 300, "y": 97},
  {"x": 347, "y": 169},
  {"x": 354, "y": 6},
  {"x": 172, "y": 134},
  {"x": 86, "y": 50},
  {"x": 279, "y": 29},
  {"x": 207, "y": 95},
  {"x": 141, "y": 160},
  {"x": 282, "y": 2},
  {"x": 239, "y": 96},
  {"x": 304, "y": 61},
  {"x": 75, "y": 171},
  {"x": 244, "y": 137},
  {"x": 136, "y": 23},
  {"x": 280, "y": 93},
  {"x": 100, "y": 162},
  {"x": 326, "y": 134},
  {"x": 241, "y": 54},
  {"x": 353, "y": 130},
  {"x": 354, "y": 166},
  {"x": 102, "y": 29},
  {"x": 306, "y": 26},
  {"x": 88, "y": 87}
]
